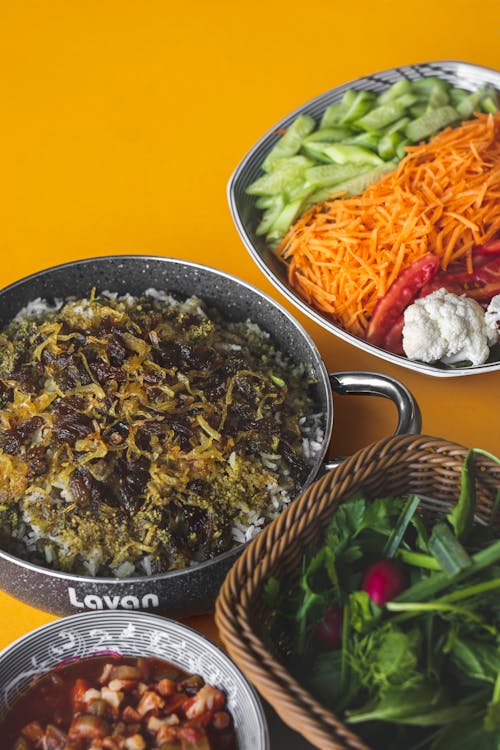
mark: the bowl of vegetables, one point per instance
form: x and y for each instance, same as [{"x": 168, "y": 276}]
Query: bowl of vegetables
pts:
[
  {"x": 367, "y": 615},
  {"x": 125, "y": 680},
  {"x": 372, "y": 208}
]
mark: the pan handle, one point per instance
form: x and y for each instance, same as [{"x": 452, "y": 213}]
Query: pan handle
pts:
[{"x": 375, "y": 384}]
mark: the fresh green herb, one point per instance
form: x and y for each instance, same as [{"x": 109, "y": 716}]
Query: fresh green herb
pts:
[
  {"x": 447, "y": 550},
  {"x": 425, "y": 588},
  {"x": 418, "y": 559},
  {"x": 392, "y": 544},
  {"x": 426, "y": 663},
  {"x": 462, "y": 515},
  {"x": 278, "y": 381}
]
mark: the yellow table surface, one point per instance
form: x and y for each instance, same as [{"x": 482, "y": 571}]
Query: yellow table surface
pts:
[{"x": 122, "y": 121}]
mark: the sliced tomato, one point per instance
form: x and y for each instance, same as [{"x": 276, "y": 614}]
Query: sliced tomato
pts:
[
  {"x": 393, "y": 341},
  {"x": 449, "y": 280},
  {"x": 492, "y": 247},
  {"x": 424, "y": 277},
  {"x": 402, "y": 292},
  {"x": 482, "y": 284},
  {"x": 487, "y": 278}
]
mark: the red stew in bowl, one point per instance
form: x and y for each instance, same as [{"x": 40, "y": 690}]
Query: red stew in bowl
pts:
[{"x": 120, "y": 703}]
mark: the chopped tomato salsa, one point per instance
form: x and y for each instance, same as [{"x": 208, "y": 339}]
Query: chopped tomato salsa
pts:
[{"x": 120, "y": 703}]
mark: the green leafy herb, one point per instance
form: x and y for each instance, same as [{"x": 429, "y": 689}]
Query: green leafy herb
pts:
[
  {"x": 447, "y": 550},
  {"x": 478, "y": 660},
  {"x": 462, "y": 515},
  {"x": 424, "y": 705},
  {"x": 427, "y": 663},
  {"x": 398, "y": 532}
]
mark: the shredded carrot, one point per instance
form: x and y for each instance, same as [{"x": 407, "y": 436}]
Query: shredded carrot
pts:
[{"x": 443, "y": 198}]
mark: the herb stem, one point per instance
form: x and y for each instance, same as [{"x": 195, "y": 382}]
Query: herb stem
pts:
[
  {"x": 419, "y": 560},
  {"x": 433, "y": 585},
  {"x": 478, "y": 588},
  {"x": 394, "y": 540},
  {"x": 418, "y": 608},
  {"x": 438, "y": 606},
  {"x": 345, "y": 639},
  {"x": 461, "y": 516},
  {"x": 496, "y": 690},
  {"x": 487, "y": 454},
  {"x": 445, "y": 547}
]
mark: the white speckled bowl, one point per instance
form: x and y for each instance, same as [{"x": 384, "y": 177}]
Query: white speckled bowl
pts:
[{"x": 133, "y": 634}]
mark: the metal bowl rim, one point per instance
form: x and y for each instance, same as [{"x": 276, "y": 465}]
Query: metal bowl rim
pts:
[{"x": 180, "y": 572}]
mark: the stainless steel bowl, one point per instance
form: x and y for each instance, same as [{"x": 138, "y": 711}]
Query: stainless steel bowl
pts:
[
  {"x": 246, "y": 215},
  {"x": 191, "y": 590},
  {"x": 133, "y": 634}
]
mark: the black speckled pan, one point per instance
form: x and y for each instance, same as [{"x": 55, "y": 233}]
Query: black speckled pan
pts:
[{"x": 192, "y": 590}]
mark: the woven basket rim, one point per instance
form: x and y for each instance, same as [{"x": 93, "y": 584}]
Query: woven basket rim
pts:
[{"x": 240, "y": 591}]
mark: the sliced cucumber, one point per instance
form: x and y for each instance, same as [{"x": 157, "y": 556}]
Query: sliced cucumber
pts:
[
  {"x": 401, "y": 87},
  {"x": 285, "y": 172},
  {"x": 331, "y": 174},
  {"x": 358, "y": 139},
  {"x": 379, "y": 117},
  {"x": 328, "y": 134},
  {"x": 429, "y": 123},
  {"x": 270, "y": 215},
  {"x": 290, "y": 143},
  {"x": 340, "y": 154}
]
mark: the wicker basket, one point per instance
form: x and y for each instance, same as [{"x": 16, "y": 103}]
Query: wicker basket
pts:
[{"x": 400, "y": 466}]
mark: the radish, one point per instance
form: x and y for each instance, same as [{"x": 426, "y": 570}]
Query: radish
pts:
[
  {"x": 329, "y": 630},
  {"x": 383, "y": 581}
]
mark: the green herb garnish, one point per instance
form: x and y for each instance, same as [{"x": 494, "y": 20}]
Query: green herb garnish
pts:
[{"x": 420, "y": 669}]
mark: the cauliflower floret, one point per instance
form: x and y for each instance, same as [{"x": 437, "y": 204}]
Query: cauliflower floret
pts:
[
  {"x": 492, "y": 320},
  {"x": 444, "y": 326}
]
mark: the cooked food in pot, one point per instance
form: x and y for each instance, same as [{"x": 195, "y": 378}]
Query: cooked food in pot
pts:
[
  {"x": 120, "y": 704},
  {"x": 143, "y": 434}
]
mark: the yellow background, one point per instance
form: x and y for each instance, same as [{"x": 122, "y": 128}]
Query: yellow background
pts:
[{"x": 120, "y": 124}]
